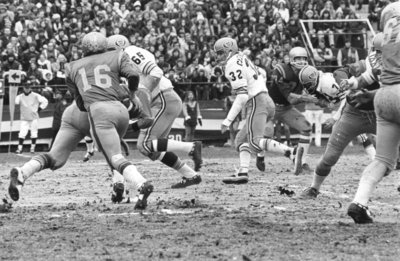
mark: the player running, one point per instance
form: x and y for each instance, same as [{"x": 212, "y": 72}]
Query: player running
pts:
[
  {"x": 286, "y": 91},
  {"x": 356, "y": 118},
  {"x": 160, "y": 100},
  {"x": 252, "y": 92},
  {"x": 94, "y": 82}
]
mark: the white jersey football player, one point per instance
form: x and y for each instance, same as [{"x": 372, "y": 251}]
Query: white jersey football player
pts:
[
  {"x": 157, "y": 94},
  {"x": 251, "y": 91}
]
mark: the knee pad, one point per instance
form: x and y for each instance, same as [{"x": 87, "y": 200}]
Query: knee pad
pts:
[
  {"x": 244, "y": 147},
  {"x": 119, "y": 162},
  {"x": 47, "y": 162}
]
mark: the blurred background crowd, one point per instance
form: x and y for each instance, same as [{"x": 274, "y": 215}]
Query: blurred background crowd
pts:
[{"x": 40, "y": 36}]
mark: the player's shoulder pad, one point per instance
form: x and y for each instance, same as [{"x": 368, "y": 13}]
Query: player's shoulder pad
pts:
[{"x": 281, "y": 69}]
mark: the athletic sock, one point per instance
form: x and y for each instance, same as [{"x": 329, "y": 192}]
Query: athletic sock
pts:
[
  {"x": 172, "y": 145},
  {"x": 274, "y": 146},
  {"x": 317, "y": 181},
  {"x": 117, "y": 177},
  {"x": 132, "y": 176},
  {"x": 244, "y": 157}
]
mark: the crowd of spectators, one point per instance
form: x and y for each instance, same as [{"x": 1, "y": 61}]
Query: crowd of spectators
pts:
[{"x": 39, "y": 37}]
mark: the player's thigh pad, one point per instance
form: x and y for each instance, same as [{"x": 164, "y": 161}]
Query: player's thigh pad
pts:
[
  {"x": 256, "y": 121},
  {"x": 296, "y": 120},
  {"x": 109, "y": 122}
]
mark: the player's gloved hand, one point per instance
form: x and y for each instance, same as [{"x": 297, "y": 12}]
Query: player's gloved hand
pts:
[
  {"x": 362, "y": 96},
  {"x": 347, "y": 84},
  {"x": 199, "y": 119},
  {"x": 329, "y": 123}
]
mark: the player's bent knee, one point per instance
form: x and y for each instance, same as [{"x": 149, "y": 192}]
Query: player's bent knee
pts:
[
  {"x": 144, "y": 149},
  {"x": 119, "y": 162},
  {"x": 47, "y": 162}
]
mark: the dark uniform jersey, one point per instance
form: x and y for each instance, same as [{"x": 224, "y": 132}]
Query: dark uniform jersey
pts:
[
  {"x": 356, "y": 69},
  {"x": 284, "y": 81},
  {"x": 97, "y": 77}
]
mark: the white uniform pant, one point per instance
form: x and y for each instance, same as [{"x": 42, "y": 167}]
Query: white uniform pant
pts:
[
  {"x": 26, "y": 126},
  {"x": 315, "y": 117}
]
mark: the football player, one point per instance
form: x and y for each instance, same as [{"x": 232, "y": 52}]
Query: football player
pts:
[
  {"x": 94, "y": 82},
  {"x": 356, "y": 118},
  {"x": 287, "y": 91},
  {"x": 251, "y": 91},
  {"x": 387, "y": 109},
  {"x": 159, "y": 99}
]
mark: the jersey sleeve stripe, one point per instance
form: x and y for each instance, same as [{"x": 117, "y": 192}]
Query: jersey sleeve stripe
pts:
[
  {"x": 281, "y": 70},
  {"x": 150, "y": 68},
  {"x": 145, "y": 67},
  {"x": 241, "y": 90}
]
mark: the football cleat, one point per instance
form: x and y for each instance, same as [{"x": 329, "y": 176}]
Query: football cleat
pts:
[
  {"x": 298, "y": 160},
  {"x": 118, "y": 192},
  {"x": 260, "y": 163},
  {"x": 196, "y": 155},
  {"x": 144, "y": 192},
  {"x": 18, "y": 151},
  {"x": 88, "y": 155},
  {"x": 309, "y": 193},
  {"x": 16, "y": 183},
  {"x": 240, "y": 178},
  {"x": 359, "y": 213},
  {"x": 186, "y": 182}
]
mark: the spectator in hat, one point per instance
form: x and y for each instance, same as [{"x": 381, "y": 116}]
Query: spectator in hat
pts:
[
  {"x": 10, "y": 64},
  {"x": 347, "y": 54},
  {"x": 30, "y": 105},
  {"x": 322, "y": 54},
  {"x": 28, "y": 55},
  {"x": 219, "y": 88}
]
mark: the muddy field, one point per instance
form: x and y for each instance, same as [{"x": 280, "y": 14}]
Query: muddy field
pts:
[{"x": 67, "y": 214}]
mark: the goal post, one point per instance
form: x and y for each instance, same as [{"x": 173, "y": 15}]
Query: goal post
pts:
[{"x": 370, "y": 32}]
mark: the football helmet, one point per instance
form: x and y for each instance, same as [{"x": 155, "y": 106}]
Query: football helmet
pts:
[
  {"x": 225, "y": 48},
  {"x": 117, "y": 41},
  {"x": 298, "y": 57},
  {"x": 309, "y": 77},
  {"x": 390, "y": 11},
  {"x": 94, "y": 42}
]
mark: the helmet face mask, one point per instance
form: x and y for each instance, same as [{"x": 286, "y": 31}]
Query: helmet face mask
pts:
[
  {"x": 93, "y": 43},
  {"x": 298, "y": 57},
  {"x": 299, "y": 62}
]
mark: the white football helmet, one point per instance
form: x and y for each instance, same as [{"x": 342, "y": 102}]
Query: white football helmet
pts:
[
  {"x": 117, "y": 41},
  {"x": 329, "y": 88},
  {"x": 309, "y": 78},
  {"x": 225, "y": 48},
  {"x": 298, "y": 57},
  {"x": 94, "y": 42}
]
